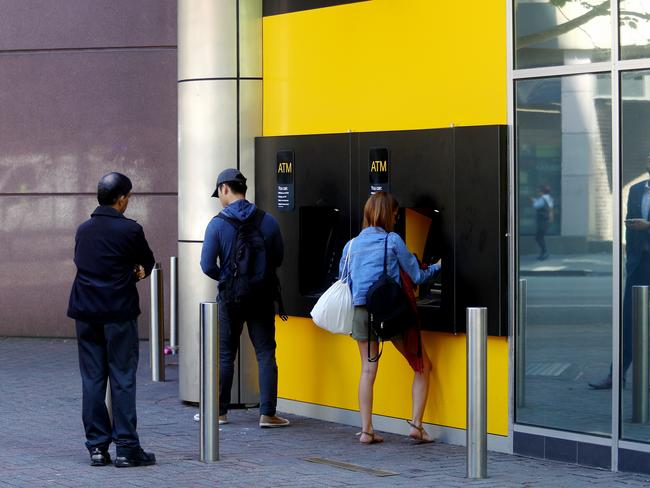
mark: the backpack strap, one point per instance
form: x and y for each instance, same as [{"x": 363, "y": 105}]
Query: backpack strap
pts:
[
  {"x": 386, "y": 254},
  {"x": 234, "y": 222},
  {"x": 256, "y": 218}
]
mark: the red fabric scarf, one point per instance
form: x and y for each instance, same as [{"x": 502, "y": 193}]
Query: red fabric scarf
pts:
[{"x": 411, "y": 337}]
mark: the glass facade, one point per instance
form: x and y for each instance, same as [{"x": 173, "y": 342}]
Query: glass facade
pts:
[
  {"x": 635, "y": 245},
  {"x": 582, "y": 217},
  {"x": 564, "y": 174},
  {"x": 561, "y": 32},
  {"x": 634, "y": 23}
]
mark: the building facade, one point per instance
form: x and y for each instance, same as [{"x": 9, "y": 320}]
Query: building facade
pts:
[{"x": 570, "y": 79}]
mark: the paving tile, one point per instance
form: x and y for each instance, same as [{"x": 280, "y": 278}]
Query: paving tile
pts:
[{"x": 42, "y": 441}]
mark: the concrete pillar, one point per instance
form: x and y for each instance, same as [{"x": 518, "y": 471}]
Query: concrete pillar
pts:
[{"x": 219, "y": 116}]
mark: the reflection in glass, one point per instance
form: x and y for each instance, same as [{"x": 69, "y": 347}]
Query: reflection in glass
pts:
[
  {"x": 559, "y": 32},
  {"x": 634, "y": 20},
  {"x": 635, "y": 206},
  {"x": 564, "y": 173}
]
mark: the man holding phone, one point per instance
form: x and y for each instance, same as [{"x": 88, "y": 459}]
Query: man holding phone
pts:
[{"x": 637, "y": 264}]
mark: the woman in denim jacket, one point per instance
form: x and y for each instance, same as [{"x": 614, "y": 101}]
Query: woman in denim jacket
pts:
[{"x": 365, "y": 266}]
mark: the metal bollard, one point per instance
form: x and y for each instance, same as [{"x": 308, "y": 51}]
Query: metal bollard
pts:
[
  {"x": 640, "y": 354},
  {"x": 173, "y": 304},
  {"x": 476, "y": 393},
  {"x": 209, "y": 382},
  {"x": 520, "y": 350},
  {"x": 157, "y": 332}
]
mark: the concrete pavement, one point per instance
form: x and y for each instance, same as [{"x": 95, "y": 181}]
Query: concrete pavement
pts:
[{"x": 41, "y": 439}]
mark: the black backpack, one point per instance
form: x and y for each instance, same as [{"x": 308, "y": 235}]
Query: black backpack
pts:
[
  {"x": 389, "y": 311},
  {"x": 247, "y": 262}
]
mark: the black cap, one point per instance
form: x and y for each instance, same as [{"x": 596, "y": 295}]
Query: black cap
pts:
[{"x": 226, "y": 176}]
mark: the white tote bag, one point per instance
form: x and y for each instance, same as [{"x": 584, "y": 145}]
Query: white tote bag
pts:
[{"x": 334, "y": 310}]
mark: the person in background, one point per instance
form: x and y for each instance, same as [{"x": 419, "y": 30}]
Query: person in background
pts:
[
  {"x": 366, "y": 264},
  {"x": 263, "y": 252},
  {"x": 544, "y": 214},
  {"x": 111, "y": 255},
  {"x": 637, "y": 265}
]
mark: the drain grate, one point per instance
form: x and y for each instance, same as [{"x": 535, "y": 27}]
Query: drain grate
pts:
[
  {"x": 547, "y": 369},
  {"x": 351, "y": 467}
]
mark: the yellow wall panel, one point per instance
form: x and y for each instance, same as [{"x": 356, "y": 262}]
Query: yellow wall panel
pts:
[
  {"x": 385, "y": 65},
  {"x": 322, "y": 368}
]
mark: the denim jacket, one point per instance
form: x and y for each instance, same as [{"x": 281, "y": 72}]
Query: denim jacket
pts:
[{"x": 367, "y": 262}]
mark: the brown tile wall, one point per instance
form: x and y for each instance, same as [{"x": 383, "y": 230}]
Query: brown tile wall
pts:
[{"x": 86, "y": 87}]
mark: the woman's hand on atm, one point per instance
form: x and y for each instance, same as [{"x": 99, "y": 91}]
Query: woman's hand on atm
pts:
[{"x": 437, "y": 266}]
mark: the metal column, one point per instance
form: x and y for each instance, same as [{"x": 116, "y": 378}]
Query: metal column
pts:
[
  {"x": 520, "y": 349},
  {"x": 640, "y": 354},
  {"x": 173, "y": 304},
  {"x": 219, "y": 116},
  {"x": 157, "y": 332},
  {"x": 209, "y": 397},
  {"x": 477, "y": 392}
]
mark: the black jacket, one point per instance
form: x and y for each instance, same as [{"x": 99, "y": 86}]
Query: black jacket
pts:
[
  {"x": 636, "y": 240},
  {"x": 108, "y": 246}
]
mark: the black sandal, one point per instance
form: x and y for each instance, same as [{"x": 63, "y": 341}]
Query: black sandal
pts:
[
  {"x": 374, "y": 439},
  {"x": 420, "y": 439}
]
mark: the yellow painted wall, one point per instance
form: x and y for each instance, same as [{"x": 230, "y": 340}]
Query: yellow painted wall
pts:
[
  {"x": 386, "y": 65},
  {"x": 322, "y": 368}
]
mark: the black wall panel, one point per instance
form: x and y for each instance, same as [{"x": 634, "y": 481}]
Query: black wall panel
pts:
[
  {"x": 321, "y": 181},
  {"x": 480, "y": 195},
  {"x": 460, "y": 172}
]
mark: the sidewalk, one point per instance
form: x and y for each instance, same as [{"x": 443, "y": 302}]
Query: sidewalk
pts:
[
  {"x": 595, "y": 264},
  {"x": 41, "y": 439}
]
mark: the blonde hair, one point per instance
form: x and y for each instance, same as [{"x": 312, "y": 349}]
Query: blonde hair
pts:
[{"x": 379, "y": 211}]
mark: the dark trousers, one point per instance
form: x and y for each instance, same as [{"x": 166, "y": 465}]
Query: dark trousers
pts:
[
  {"x": 540, "y": 234},
  {"x": 260, "y": 318},
  {"x": 639, "y": 277},
  {"x": 109, "y": 350}
]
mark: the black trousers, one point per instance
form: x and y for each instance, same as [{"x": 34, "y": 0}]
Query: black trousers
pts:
[
  {"x": 109, "y": 351},
  {"x": 260, "y": 318},
  {"x": 540, "y": 234}
]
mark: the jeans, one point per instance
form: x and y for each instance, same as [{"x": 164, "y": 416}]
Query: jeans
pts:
[
  {"x": 260, "y": 318},
  {"x": 109, "y": 350}
]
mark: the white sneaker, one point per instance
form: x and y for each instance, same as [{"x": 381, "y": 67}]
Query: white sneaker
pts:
[{"x": 223, "y": 419}]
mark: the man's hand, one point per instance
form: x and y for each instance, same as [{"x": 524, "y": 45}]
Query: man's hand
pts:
[
  {"x": 139, "y": 272},
  {"x": 637, "y": 224}
]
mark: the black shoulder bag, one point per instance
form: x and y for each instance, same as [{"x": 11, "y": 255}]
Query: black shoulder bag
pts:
[{"x": 389, "y": 310}]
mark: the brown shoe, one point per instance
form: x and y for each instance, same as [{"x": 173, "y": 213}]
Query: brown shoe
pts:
[{"x": 273, "y": 421}]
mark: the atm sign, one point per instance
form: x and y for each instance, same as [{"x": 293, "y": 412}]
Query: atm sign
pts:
[
  {"x": 379, "y": 169},
  {"x": 285, "y": 165}
]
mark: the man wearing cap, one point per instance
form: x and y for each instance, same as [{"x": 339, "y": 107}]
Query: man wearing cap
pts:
[
  {"x": 111, "y": 255},
  {"x": 258, "y": 310}
]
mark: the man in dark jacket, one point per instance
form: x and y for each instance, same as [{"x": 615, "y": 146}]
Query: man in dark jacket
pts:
[
  {"x": 111, "y": 255},
  {"x": 258, "y": 310},
  {"x": 637, "y": 265}
]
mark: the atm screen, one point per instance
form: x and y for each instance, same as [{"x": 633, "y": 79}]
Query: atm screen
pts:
[
  {"x": 433, "y": 246},
  {"x": 320, "y": 249},
  {"x": 421, "y": 228}
]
